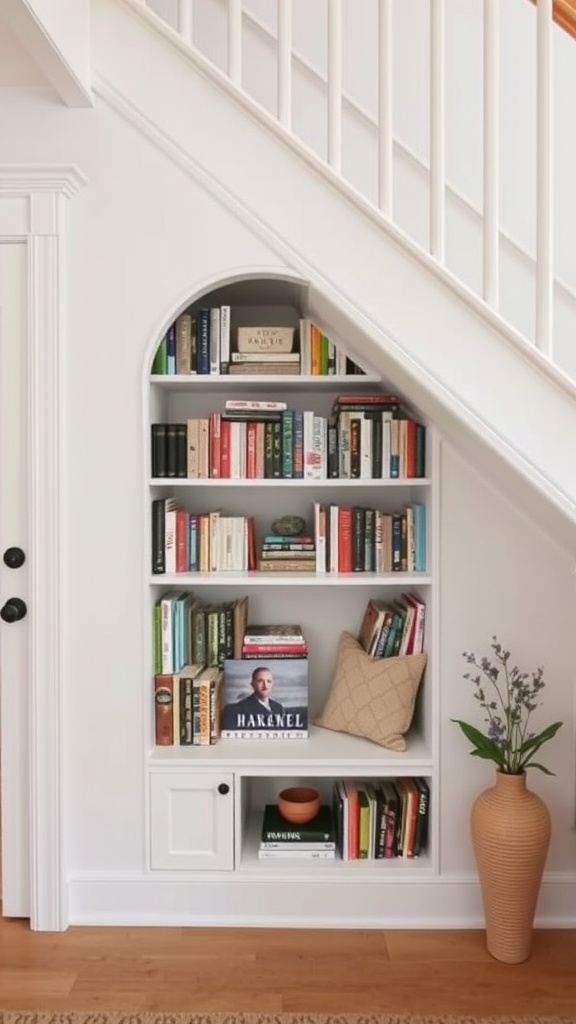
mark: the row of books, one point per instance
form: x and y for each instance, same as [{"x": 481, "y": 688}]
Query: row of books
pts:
[
  {"x": 187, "y": 706},
  {"x": 187, "y": 630},
  {"x": 260, "y": 690},
  {"x": 394, "y": 628},
  {"x": 288, "y": 444},
  {"x": 254, "y": 697},
  {"x": 185, "y": 541},
  {"x": 346, "y": 539},
  {"x": 204, "y": 342},
  {"x": 381, "y": 819},
  {"x": 378, "y": 819},
  {"x": 367, "y": 539}
]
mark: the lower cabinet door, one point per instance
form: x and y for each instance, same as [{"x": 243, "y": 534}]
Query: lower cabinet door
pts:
[{"x": 192, "y": 821}]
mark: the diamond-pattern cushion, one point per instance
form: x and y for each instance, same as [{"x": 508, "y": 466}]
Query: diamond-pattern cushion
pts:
[{"x": 372, "y": 697}]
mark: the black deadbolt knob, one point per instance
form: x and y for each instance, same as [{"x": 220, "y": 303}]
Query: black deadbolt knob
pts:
[
  {"x": 14, "y": 558},
  {"x": 223, "y": 788},
  {"x": 13, "y": 610}
]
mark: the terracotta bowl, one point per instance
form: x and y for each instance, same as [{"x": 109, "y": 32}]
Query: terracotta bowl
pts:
[{"x": 299, "y": 804}]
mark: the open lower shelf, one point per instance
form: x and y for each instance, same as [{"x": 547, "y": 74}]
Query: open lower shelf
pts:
[
  {"x": 358, "y": 870},
  {"x": 324, "y": 752}
]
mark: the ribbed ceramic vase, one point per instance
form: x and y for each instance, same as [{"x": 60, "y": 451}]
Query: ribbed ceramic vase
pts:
[{"x": 510, "y": 834}]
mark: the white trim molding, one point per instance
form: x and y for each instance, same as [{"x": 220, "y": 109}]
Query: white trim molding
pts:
[{"x": 32, "y": 198}]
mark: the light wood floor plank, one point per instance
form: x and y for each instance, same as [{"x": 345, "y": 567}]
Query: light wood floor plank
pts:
[{"x": 274, "y": 970}]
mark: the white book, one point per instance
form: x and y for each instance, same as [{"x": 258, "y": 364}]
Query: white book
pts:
[
  {"x": 170, "y": 506},
  {"x": 300, "y": 846},
  {"x": 305, "y": 346},
  {"x": 334, "y": 560},
  {"x": 320, "y": 536},
  {"x": 265, "y": 357},
  {"x": 250, "y": 404},
  {"x": 308, "y": 443},
  {"x": 166, "y": 607},
  {"x": 297, "y": 854},
  {"x": 366, "y": 448},
  {"x": 224, "y": 340},
  {"x": 215, "y": 340}
]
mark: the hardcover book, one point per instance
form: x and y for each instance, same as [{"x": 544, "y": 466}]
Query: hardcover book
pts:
[
  {"x": 275, "y": 828},
  {"x": 266, "y": 700}
]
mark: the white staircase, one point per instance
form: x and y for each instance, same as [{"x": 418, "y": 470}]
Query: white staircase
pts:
[{"x": 471, "y": 373}]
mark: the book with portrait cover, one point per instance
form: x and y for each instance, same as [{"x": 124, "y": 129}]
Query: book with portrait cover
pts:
[{"x": 265, "y": 699}]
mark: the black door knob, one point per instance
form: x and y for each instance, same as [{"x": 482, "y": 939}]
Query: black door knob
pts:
[
  {"x": 14, "y": 558},
  {"x": 13, "y": 610},
  {"x": 223, "y": 788}
]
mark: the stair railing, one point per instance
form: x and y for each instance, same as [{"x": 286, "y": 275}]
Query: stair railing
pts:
[{"x": 437, "y": 184}]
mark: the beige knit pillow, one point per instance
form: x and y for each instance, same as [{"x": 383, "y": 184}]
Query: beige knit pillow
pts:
[{"x": 372, "y": 697}]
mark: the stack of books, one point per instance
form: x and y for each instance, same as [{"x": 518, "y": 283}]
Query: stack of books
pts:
[
  {"x": 274, "y": 640},
  {"x": 264, "y": 350},
  {"x": 288, "y": 554},
  {"x": 281, "y": 840}
]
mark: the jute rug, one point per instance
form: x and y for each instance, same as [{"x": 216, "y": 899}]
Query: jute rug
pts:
[{"x": 99, "y": 1017}]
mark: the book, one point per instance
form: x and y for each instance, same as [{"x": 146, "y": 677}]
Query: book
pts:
[
  {"x": 300, "y": 845},
  {"x": 163, "y": 713},
  {"x": 265, "y": 357},
  {"x": 262, "y": 367},
  {"x": 265, "y": 854},
  {"x": 265, "y": 340},
  {"x": 261, "y": 702},
  {"x": 272, "y": 633},
  {"x": 253, "y": 405},
  {"x": 275, "y": 828}
]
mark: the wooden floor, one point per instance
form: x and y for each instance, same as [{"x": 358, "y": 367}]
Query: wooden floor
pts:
[{"x": 187, "y": 969}]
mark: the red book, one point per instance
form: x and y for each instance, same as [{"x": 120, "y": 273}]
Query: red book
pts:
[
  {"x": 225, "y": 449},
  {"x": 251, "y": 450},
  {"x": 182, "y": 538},
  {"x": 215, "y": 444},
  {"x": 163, "y": 710},
  {"x": 345, "y": 540}
]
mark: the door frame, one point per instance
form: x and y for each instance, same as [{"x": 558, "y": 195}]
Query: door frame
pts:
[{"x": 33, "y": 200}]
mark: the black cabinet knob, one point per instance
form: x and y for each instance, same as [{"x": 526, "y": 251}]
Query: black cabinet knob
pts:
[
  {"x": 14, "y": 609},
  {"x": 14, "y": 558},
  {"x": 223, "y": 788}
]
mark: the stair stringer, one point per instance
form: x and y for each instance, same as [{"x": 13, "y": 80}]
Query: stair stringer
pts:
[{"x": 471, "y": 374}]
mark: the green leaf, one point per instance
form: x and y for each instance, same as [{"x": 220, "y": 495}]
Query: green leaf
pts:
[
  {"x": 540, "y": 767},
  {"x": 535, "y": 742},
  {"x": 484, "y": 747}
]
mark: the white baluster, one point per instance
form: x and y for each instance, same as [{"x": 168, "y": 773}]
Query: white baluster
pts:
[
  {"x": 285, "y": 62},
  {"x": 544, "y": 177},
  {"x": 491, "y": 218},
  {"x": 185, "y": 19},
  {"x": 385, "y": 125},
  {"x": 437, "y": 130},
  {"x": 335, "y": 84},
  {"x": 235, "y": 41}
]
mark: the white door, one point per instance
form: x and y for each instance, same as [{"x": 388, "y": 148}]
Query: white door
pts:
[{"x": 14, "y": 630}]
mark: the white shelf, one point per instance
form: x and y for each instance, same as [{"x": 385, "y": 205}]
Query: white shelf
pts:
[
  {"x": 329, "y": 482},
  {"x": 323, "y": 753},
  {"x": 219, "y": 383},
  {"x": 290, "y": 579}
]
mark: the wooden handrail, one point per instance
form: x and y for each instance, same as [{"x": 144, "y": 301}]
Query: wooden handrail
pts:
[{"x": 565, "y": 15}]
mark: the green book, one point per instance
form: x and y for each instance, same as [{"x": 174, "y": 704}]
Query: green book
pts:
[
  {"x": 320, "y": 830},
  {"x": 160, "y": 363}
]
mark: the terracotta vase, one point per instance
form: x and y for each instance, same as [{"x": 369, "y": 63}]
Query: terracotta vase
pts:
[{"x": 510, "y": 834}]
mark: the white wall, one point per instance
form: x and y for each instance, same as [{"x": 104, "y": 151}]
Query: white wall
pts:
[{"x": 143, "y": 238}]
